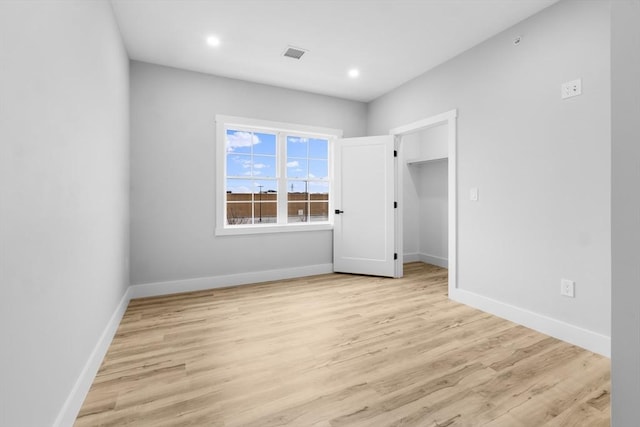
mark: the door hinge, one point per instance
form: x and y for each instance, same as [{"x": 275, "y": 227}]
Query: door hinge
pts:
[
  {"x": 395, "y": 205},
  {"x": 395, "y": 153},
  {"x": 395, "y": 256}
]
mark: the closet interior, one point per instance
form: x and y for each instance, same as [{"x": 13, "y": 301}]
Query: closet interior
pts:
[{"x": 425, "y": 188}]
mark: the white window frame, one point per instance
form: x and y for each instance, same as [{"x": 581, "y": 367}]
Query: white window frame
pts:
[{"x": 281, "y": 130}]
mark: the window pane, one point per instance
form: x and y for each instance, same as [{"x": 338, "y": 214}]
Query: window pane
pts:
[
  {"x": 318, "y": 148},
  {"x": 319, "y": 211},
  {"x": 251, "y": 202},
  {"x": 240, "y": 186},
  {"x": 267, "y": 196},
  {"x": 238, "y": 165},
  {"x": 297, "y": 212},
  {"x": 319, "y": 187},
  {"x": 297, "y": 190},
  {"x": 297, "y": 168},
  {"x": 239, "y": 141},
  {"x": 319, "y": 197},
  {"x": 265, "y": 144},
  {"x": 297, "y": 197},
  {"x": 297, "y": 146},
  {"x": 265, "y": 186},
  {"x": 265, "y": 212},
  {"x": 264, "y": 166},
  {"x": 239, "y": 213},
  {"x": 318, "y": 169}
]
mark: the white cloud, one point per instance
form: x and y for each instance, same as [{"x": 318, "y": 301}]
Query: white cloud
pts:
[
  {"x": 293, "y": 164},
  {"x": 242, "y": 161},
  {"x": 241, "y": 139},
  {"x": 297, "y": 140},
  {"x": 260, "y": 166}
]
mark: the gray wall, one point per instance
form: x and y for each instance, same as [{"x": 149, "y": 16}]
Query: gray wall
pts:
[
  {"x": 542, "y": 164},
  {"x": 173, "y": 173},
  {"x": 63, "y": 197},
  {"x": 625, "y": 202}
]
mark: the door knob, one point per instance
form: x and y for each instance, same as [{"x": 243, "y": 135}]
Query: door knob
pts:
[{"x": 338, "y": 211}]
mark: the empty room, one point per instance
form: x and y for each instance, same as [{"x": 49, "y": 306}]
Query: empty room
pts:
[{"x": 319, "y": 213}]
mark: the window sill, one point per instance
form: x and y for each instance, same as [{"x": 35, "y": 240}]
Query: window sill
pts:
[{"x": 274, "y": 228}]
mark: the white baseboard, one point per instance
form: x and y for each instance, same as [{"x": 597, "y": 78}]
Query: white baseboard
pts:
[
  {"x": 203, "y": 283},
  {"x": 412, "y": 257},
  {"x": 73, "y": 403},
  {"x": 426, "y": 258},
  {"x": 435, "y": 260},
  {"x": 581, "y": 337}
]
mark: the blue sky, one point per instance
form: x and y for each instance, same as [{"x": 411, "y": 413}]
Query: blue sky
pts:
[{"x": 253, "y": 155}]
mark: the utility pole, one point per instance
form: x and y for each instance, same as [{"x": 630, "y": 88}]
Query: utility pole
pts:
[{"x": 260, "y": 204}]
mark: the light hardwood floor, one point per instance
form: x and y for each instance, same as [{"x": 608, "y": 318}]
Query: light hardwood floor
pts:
[{"x": 339, "y": 350}]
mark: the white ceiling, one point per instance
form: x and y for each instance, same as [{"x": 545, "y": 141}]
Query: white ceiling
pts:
[{"x": 389, "y": 41}]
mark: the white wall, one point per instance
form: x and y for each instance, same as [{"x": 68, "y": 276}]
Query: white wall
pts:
[
  {"x": 434, "y": 219},
  {"x": 542, "y": 166},
  {"x": 173, "y": 174},
  {"x": 63, "y": 197},
  {"x": 625, "y": 202},
  {"x": 435, "y": 142},
  {"x": 410, "y": 149}
]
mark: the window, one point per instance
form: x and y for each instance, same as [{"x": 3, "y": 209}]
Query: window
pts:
[
  {"x": 251, "y": 177},
  {"x": 307, "y": 179},
  {"x": 272, "y": 177}
]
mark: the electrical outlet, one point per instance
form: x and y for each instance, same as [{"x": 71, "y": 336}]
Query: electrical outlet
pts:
[
  {"x": 570, "y": 89},
  {"x": 473, "y": 194},
  {"x": 567, "y": 288}
]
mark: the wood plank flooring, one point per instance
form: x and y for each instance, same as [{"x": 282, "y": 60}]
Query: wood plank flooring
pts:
[{"x": 339, "y": 350}]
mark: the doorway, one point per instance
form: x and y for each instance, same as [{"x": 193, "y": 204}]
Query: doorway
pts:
[{"x": 413, "y": 152}]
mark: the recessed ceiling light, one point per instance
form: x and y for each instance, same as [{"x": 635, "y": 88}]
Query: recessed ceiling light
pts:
[
  {"x": 353, "y": 73},
  {"x": 213, "y": 41}
]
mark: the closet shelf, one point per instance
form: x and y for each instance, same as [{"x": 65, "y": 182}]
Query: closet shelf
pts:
[{"x": 422, "y": 160}]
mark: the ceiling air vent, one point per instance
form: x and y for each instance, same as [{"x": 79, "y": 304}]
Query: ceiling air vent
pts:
[{"x": 294, "y": 52}]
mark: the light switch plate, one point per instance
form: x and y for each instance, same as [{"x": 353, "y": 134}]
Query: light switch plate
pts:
[
  {"x": 567, "y": 288},
  {"x": 473, "y": 194}
]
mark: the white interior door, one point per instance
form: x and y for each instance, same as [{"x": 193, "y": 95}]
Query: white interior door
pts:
[{"x": 364, "y": 223}]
